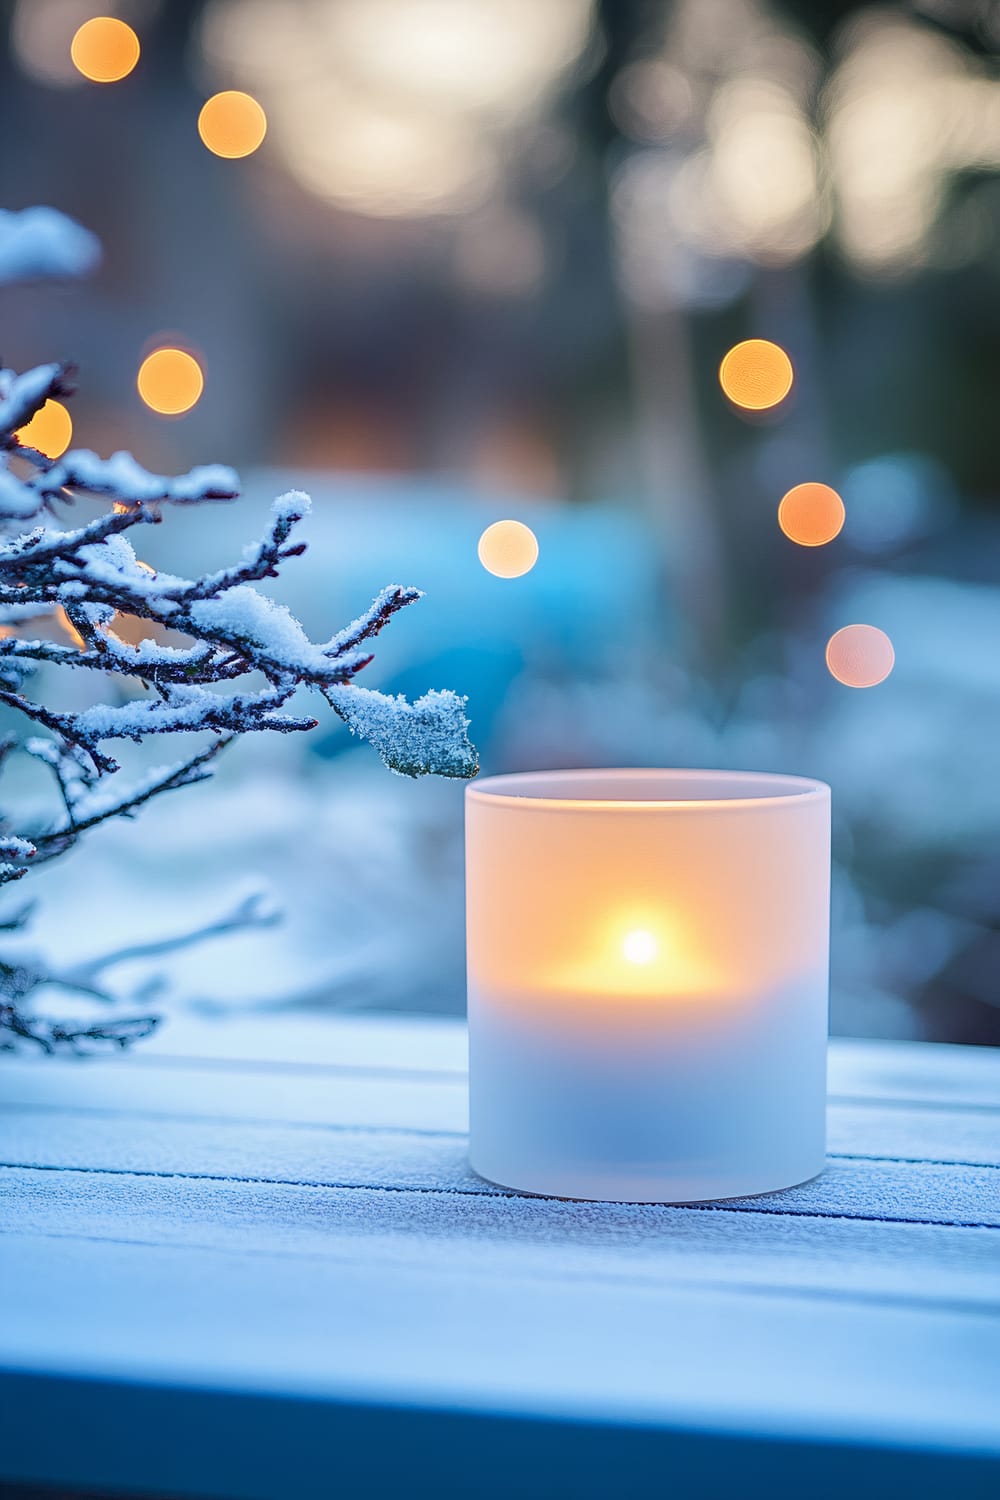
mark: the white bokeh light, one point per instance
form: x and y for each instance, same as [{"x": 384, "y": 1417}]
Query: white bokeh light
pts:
[{"x": 396, "y": 108}]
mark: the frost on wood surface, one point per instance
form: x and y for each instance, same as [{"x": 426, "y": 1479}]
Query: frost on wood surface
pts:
[{"x": 234, "y": 661}]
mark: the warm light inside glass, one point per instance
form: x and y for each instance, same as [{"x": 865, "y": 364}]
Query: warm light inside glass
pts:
[
  {"x": 860, "y": 656},
  {"x": 105, "y": 49},
  {"x": 170, "y": 381},
  {"x": 647, "y": 973},
  {"x": 508, "y": 549},
  {"x": 616, "y": 883},
  {"x": 232, "y": 124},
  {"x": 756, "y": 374},
  {"x": 640, "y": 946},
  {"x": 635, "y": 966},
  {"x": 49, "y": 430},
  {"x": 811, "y": 514}
]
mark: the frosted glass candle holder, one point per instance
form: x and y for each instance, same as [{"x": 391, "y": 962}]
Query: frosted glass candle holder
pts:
[{"x": 648, "y": 979}]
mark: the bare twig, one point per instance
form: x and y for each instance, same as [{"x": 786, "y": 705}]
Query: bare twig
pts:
[
  {"x": 55, "y": 1036},
  {"x": 252, "y": 911},
  {"x": 186, "y": 774}
]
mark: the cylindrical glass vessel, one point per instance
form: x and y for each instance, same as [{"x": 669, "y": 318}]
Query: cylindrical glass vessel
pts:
[{"x": 648, "y": 974}]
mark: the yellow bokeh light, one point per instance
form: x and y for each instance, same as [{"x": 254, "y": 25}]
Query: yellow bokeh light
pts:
[
  {"x": 756, "y": 374},
  {"x": 508, "y": 549},
  {"x": 860, "y": 656},
  {"x": 640, "y": 947},
  {"x": 170, "y": 381},
  {"x": 811, "y": 514},
  {"x": 49, "y": 430},
  {"x": 104, "y": 49},
  {"x": 232, "y": 124}
]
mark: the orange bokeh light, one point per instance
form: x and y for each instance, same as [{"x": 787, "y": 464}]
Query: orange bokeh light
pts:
[
  {"x": 508, "y": 549},
  {"x": 170, "y": 381},
  {"x": 104, "y": 49},
  {"x": 756, "y": 374},
  {"x": 66, "y": 623},
  {"x": 49, "y": 430},
  {"x": 811, "y": 514},
  {"x": 860, "y": 656},
  {"x": 232, "y": 124}
]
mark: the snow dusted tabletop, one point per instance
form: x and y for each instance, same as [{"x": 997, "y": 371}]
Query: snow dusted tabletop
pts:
[{"x": 249, "y": 1260}]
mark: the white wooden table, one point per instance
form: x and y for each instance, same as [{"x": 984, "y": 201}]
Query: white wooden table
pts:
[{"x": 250, "y": 1260}]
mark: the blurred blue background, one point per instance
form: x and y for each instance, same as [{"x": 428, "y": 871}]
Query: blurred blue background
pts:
[{"x": 486, "y": 264}]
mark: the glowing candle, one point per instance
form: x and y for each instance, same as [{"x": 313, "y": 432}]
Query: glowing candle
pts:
[{"x": 648, "y": 958}]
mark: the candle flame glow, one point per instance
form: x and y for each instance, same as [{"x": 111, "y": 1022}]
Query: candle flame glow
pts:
[
  {"x": 637, "y": 951},
  {"x": 640, "y": 947}
]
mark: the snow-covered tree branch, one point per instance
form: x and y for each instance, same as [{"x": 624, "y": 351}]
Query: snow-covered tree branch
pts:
[{"x": 241, "y": 660}]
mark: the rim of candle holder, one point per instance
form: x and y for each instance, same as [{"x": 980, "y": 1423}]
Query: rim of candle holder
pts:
[{"x": 516, "y": 789}]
